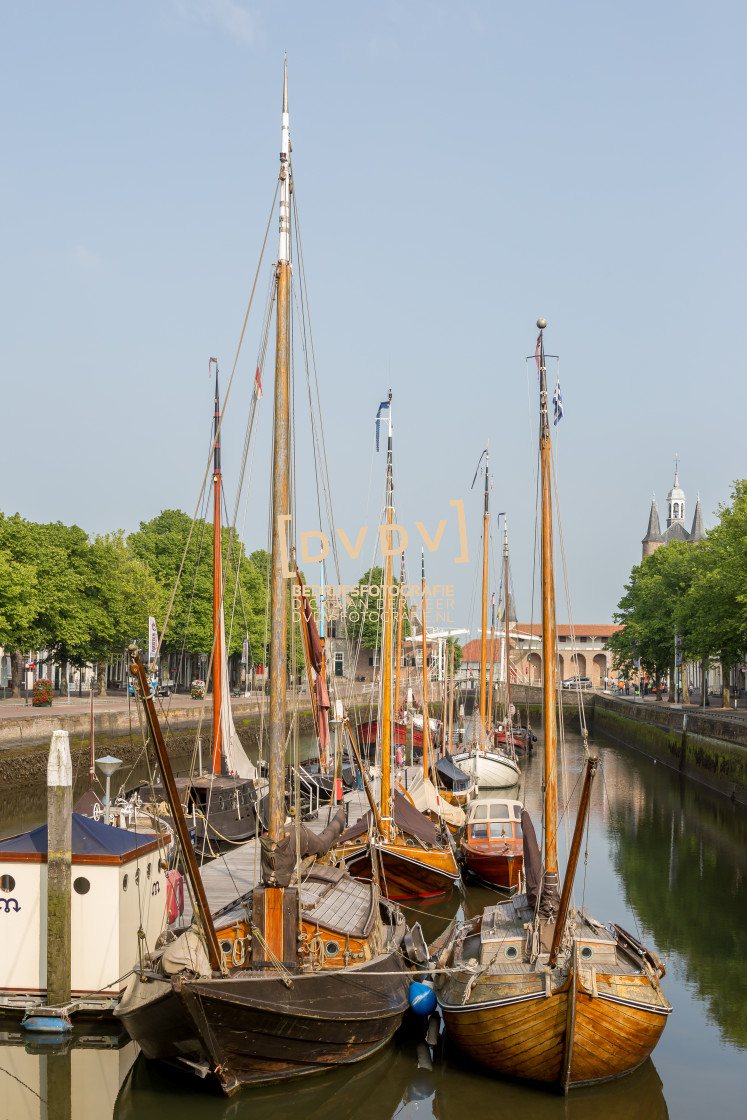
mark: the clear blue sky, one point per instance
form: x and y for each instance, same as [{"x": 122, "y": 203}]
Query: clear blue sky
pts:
[{"x": 461, "y": 169}]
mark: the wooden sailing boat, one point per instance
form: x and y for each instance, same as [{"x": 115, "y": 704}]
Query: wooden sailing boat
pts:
[
  {"x": 415, "y": 857},
  {"x": 225, "y": 802},
  {"x": 495, "y": 767},
  {"x": 534, "y": 988},
  {"x": 295, "y": 976}
]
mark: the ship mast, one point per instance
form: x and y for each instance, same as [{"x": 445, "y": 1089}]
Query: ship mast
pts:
[
  {"x": 217, "y": 586},
  {"x": 426, "y": 720},
  {"x": 548, "y": 634},
  {"x": 508, "y": 620},
  {"x": 280, "y": 496},
  {"x": 386, "y": 644},
  {"x": 484, "y": 631}
]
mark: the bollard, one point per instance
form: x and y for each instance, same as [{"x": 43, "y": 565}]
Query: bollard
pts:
[{"x": 59, "y": 859}]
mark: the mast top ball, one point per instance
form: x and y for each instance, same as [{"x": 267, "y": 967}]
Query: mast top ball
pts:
[{"x": 542, "y": 323}]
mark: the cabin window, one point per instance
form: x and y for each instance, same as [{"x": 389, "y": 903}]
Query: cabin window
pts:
[
  {"x": 517, "y": 831},
  {"x": 499, "y": 811},
  {"x": 517, "y": 812},
  {"x": 332, "y": 948},
  {"x": 81, "y": 885},
  {"x": 7, "y": 883},
  {"x": 125, "y": 882},
  {"x": 479, "y": 832},
  {"x": 498, "y": 831},
  {"x": 587, "y": 953},
  {"x": 480, "y": 813},
  {"x": 511, "y": 952}
]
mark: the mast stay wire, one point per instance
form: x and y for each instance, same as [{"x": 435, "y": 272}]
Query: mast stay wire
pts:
[{"x": 220, "y": 423}]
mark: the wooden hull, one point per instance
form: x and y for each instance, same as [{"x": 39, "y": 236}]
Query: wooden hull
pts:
[
  {"x": 255, "y": 1029},
  {"x": 567, "y": 1038},
  {"x": 499, "y": 869},
  {"x": 409, "y": 871}
]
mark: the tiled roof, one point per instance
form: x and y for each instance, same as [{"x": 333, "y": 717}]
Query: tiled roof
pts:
[
  {"x": 581, "y": 630},
  {"x": 471, "y": 651}
]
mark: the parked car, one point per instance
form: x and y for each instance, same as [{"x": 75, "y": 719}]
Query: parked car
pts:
[{"x": 577, "y": 682}]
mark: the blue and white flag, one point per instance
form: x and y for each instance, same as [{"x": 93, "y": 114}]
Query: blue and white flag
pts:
[
  {"x": 383, "y": 407},
  {"x": 557, "y": 401}
]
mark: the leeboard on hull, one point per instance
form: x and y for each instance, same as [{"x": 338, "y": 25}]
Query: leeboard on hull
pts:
[{"x": 407, "y": 871}]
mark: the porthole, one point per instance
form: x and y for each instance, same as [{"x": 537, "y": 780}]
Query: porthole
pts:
[
  {"x": 7, "y": 883},
  {"x": 511, "y": 952},
  {"x": 81, "y": 885},
  {"x": 226, "y": 947},
  {"x": 332, "y": 948},
  {"x": 125, "y": 882},
  {"x": 587, "y": 953}
]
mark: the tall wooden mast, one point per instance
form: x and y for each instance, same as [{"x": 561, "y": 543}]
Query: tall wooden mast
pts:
[
  {"x": 508, "y": 618},
  {"x": 548, "y": 626},
  {"x": 484, "y": 631},
  {"x": 491, "y": 660},
  {"x": 426, "y": 721},
  {"x": 386, "y": 643},
  {"x": 400, "y": 612},
  {"x": 280, "y": 497},
  {"x": 217, "y": 589}
]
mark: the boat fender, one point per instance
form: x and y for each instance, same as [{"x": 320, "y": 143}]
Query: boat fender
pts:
[
  {"x": 174, "y": 895},
  {"x": 433, "y": 1030},
  {"x": 424, "y": 1058},
  {"x": 422, "y": 998}
]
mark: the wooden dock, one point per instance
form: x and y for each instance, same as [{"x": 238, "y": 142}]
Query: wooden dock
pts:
[{"x": 238, "y": 870}]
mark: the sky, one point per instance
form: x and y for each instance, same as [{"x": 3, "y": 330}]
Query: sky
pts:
[{"x": 460, "y": 169}]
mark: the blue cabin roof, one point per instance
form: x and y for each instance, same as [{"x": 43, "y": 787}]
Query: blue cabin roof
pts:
[{"x": 90, "y": 838}]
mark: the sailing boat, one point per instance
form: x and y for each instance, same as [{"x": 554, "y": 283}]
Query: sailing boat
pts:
[
  {"x": 414, "y": 856},
  {"x": 534, "y": 988},
  {"x": 300, "y": 974},
  {"x": 224, "y": 803},
  {"x": 494, "y": 767}
]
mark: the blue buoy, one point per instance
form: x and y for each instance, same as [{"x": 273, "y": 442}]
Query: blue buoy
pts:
[{"x": 422, "y": 998}]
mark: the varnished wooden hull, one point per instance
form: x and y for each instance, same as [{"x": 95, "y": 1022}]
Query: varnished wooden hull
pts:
[
  {"x": 258, "y": 1030},
  {"x": 499, "y": 869},
  {"x": 567, "y": 1038},
  {"x": 408, "y": 871}
]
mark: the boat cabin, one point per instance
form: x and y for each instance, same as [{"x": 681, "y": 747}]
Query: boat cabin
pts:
[
  {"x": 494, "y": 818},
  {"x": 119, "y": 885}
]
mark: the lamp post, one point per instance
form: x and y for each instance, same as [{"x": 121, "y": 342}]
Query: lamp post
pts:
[{"x": 108, "y": 766}]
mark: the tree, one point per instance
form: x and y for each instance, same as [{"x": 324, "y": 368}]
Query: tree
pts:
[
  {"x": 651, "y": 612},
  {"x": 715, "y": 608},
  {"x": 364, "y": 614}
]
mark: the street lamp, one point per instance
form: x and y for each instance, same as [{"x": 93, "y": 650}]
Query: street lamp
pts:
[{"x": 108, "y": 766}]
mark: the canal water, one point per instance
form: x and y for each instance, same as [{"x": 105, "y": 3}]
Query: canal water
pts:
[{"x": 665, "y": 857}]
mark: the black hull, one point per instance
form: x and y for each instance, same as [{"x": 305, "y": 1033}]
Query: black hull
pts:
[
  {"x": 159, "y": 1022},
  {"x": 255, "y": 1029}
]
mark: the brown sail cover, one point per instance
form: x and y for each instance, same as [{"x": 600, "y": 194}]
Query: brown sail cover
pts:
[
  {"x": 532, "y": 859},
  {"x": 406, "y": 818},
  {"x": 279, "y": 860}
]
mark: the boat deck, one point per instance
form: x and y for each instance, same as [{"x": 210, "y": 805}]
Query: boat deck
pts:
[{"x": 238, "y": 871}]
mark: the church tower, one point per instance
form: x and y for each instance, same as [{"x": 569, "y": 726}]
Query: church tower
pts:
[
  {"x": 676, "y": 502},
  {"x": 675, "y": 529}
]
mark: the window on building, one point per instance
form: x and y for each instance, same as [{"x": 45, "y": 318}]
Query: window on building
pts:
[
  {"x": 562, "y": 638},
  {"x": 338, "y": 664},
  {"x": 331, "y": 629}
]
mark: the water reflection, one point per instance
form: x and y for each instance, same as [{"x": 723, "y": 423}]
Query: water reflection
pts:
[
  {"x": 682, "y": 856},
  {"x": 662, "y": 853},
  {"x": 390, "y": 1085}
]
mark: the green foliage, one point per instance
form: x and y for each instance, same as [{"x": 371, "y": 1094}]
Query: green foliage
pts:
[
  {"x": 698, "y": 591},
  {"x": 364, "y": 613},
  {"x": 454, "y": 642}
]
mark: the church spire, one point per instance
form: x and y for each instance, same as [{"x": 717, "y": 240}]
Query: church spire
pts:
[
  {"x": 653, "y": 537},
  {"x": 698, "y": 531}
]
